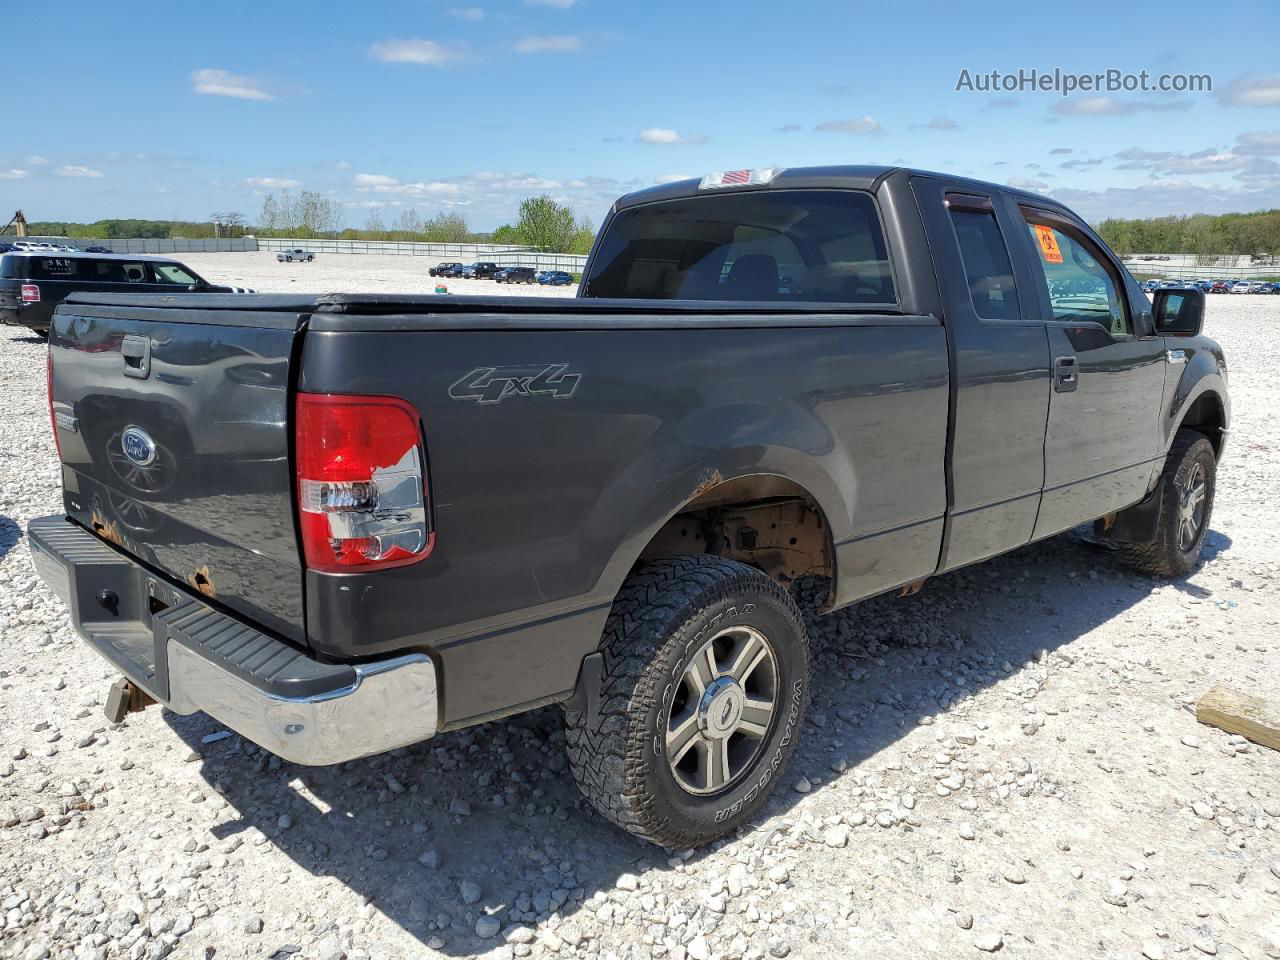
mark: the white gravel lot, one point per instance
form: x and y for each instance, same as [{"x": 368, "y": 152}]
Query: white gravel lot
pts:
[
  {"x": 1006, "y": 762},
  {"x": 348, "y": 273}
]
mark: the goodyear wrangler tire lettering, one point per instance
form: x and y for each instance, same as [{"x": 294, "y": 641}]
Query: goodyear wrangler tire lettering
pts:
[{"x": 673, "y": 615}]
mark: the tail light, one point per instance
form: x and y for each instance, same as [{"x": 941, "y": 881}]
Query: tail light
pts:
[
  {"x": 53, "y": 417},
  {"x": 30, "y": 293},
  {"x": 362, "y": 492}
]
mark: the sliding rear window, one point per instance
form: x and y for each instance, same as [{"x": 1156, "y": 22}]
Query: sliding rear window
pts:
[{"x": 816, "y": 246}]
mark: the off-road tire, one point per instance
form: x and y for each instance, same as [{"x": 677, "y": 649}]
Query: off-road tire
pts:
[
  {"x": 659, "y": 619},
  {"x": 1162, "y": 556}
]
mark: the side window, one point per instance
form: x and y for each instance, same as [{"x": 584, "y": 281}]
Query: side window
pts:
[
  {"x": 172, "y": 273},
  {"x": 987, "y": 267},
  {"x": 134, "y": 273},
  {"x": 1081, "y": 287}
]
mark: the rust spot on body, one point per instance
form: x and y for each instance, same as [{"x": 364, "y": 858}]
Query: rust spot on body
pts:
[
  {"x": 709, "y": 480},
  {"x": 202, "y": 581},
  {"x": 106, "y": 529}
]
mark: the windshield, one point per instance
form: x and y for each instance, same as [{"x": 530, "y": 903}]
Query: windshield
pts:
[{"x": 767, "y": 245}]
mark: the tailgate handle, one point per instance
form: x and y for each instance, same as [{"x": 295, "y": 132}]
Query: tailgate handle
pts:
[{"x": 136, "y": 354}]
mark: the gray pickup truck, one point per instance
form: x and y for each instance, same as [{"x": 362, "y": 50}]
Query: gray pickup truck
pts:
[{"x": 342, "y": 524}]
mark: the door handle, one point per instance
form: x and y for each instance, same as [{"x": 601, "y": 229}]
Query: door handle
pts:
[
  {"x": 1066, "y": 374},
  {"x": 135, "y": 354}
]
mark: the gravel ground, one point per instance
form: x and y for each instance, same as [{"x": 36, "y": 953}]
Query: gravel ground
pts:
[
  {"x": 1006, "y": 762},
  {"x": 350, "y": 273}
]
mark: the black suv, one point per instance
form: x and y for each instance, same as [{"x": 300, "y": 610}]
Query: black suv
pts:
[
  {"x": 447, "y": 269},
  {"x": 480, "y": 270},
  {"x": 33, "y": 283},
  {"x": 516, "y": 275}
]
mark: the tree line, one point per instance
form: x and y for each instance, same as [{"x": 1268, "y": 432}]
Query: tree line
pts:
[
  {"x": 541, "y": 224},
  {"x": 1231, "y": 234}
]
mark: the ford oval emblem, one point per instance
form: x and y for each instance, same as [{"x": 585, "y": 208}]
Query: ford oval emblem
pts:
[{"x": 138, "y": 446}]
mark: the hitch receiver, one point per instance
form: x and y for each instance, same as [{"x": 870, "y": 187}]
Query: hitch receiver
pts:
[{"x": 125, "y": 697}]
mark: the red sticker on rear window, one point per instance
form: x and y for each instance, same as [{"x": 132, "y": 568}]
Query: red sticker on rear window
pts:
[{"x": 1048, "y": 243}]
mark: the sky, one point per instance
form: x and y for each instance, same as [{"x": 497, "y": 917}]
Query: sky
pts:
[{"x": 180, "y": 110}]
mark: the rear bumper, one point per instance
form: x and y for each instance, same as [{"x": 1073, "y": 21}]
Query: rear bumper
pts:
[
  {"x": 193, "y": 658},
  {"x": 36, "y": 316}
]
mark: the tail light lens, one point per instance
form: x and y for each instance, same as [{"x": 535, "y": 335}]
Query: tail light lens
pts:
[
  {"x": 53, "y": 417},
  {"x": 30, "y": 293},
  {"x": 362, "y": 492}
]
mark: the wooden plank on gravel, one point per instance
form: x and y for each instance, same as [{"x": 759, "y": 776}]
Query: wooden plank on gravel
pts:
[{"x": 1236, "y": 712}]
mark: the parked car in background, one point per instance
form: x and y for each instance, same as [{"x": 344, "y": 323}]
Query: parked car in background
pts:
[
  {"x": 446, "y": 269},
  {"x": 289, "y": 256},
  {"x": 1219, "y": 286},
  {"x": 516, "y": 275},
  {"x": 555, "y": 278},
  {"x": 97, "y": 249},
  {"x": 33, "y": 283},
  {"x": 1243, "y": 286},
  {"x": 480, "y": 270}
]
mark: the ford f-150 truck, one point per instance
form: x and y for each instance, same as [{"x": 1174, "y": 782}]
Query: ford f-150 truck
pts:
[{"x": 342, "y": 524}]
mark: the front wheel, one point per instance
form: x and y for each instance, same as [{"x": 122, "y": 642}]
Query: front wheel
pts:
[
  {"x": 1189, "y": 481},
  {"x": 704, "y": 687}
]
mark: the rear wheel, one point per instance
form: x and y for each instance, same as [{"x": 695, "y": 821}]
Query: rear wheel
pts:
[
  {"x": 1190, "y": 476},
  {"x": 706, "y": 673}
]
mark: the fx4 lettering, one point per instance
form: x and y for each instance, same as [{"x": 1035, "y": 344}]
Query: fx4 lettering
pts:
[{"x": 495, "y": 384}]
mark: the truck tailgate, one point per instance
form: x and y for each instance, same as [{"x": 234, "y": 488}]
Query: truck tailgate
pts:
[{"x": 174, "y": 428}]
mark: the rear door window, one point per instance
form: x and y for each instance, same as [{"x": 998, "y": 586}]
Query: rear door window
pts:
[
  {"x": 821, "y": 246},
  {"x": 987, "y": 267}
]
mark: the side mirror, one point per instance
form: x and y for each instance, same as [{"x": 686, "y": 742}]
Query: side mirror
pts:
[{"x": 1178, "y": 311}]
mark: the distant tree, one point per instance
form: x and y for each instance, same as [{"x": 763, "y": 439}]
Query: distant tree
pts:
[
  {"x": 374, "y": 228},
  {"x": 447, "y": 228},
  {"x": 505, "y": 234},
  {"x": 545, "y": 225},
  {"x": 584, "y": 235},
  {"x": 409, "y": 223},
  {"x": 269, "y": 222}
]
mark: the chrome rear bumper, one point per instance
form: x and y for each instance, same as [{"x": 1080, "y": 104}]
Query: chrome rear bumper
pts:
[{"x": 191, "y": 657}]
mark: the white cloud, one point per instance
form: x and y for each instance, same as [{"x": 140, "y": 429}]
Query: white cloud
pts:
[
  {"x": 37, "y": 161},
  {"x": 939, "y": 123},
  {"x": 425, "y": 52},
  {"x": 381, "y": 183},
  {"x": 1251, "y": 90},
  {"x": 549, "y": 44},
  {"x": 1259, "y": 143},
  {"x": 1160, "y": 198},
  {"x": 1021, "y": 183},
  {"x": 467, "y": 13},
  {"x": 788, "y": 128},
  {"x": 222, "y": 83},
  {"x": 343, "y": 165},
  {"x": 274, "y": 183},
  {"x": 664, "y": 135},
  {"x": 73, "y": 171},
  {"x": 865, "y": 125},
  {"x": 562, "y": 4},
  {"x": 1111, "y": 107},
  {"x": 13, "y": 173}
]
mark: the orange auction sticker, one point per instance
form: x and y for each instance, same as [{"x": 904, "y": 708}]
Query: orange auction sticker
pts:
[{"x": 1048, "y": 243}]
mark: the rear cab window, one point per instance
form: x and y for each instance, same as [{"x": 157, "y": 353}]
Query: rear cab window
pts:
[{"x": 778, "y": 246}]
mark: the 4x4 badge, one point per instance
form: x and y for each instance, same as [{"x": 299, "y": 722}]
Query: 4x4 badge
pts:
[{"x": 495, "y": 384}]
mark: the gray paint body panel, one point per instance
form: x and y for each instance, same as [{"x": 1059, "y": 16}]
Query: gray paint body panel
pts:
[{"x": 921, "y": 440}]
